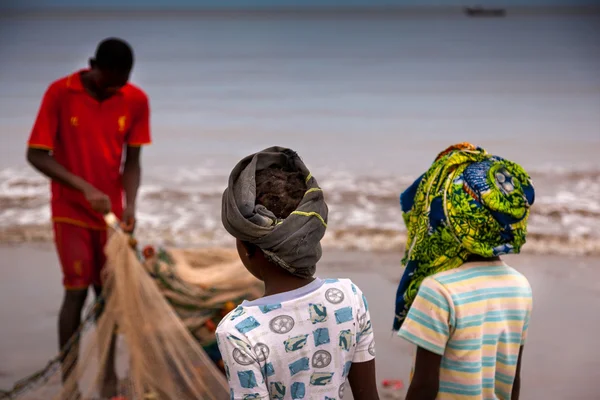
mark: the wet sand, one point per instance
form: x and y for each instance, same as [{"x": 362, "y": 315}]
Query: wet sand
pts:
[{"x": 562, "y": 357}]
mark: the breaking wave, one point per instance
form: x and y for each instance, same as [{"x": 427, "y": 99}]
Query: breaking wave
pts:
[{"x": 181, "y": 207}]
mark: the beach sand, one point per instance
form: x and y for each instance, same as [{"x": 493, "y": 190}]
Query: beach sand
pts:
[{"x": 561, "y": 358}]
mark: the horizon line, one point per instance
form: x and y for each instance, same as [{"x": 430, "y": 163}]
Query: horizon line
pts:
[{"x": 305, "y": 10}]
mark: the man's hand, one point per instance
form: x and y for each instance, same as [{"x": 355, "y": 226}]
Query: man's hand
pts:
[
  {"x": 99, "y": 201},
  {"x": 128, "y": 222}
]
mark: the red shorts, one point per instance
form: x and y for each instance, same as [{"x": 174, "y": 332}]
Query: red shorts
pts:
[{"x": 81, "y": 254}]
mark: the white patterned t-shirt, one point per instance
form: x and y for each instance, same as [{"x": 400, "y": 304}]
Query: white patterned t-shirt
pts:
[{"x": 297, "y": 345}]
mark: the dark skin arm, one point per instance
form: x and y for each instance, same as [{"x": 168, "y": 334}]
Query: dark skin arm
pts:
[
  {"x": 516, "y": 390},
  {"x": 426, "y": 379},
  {"x": 363, "y": 381},
  {"x": 43, "y": 161},
  {"x": 132, "y": 172}
]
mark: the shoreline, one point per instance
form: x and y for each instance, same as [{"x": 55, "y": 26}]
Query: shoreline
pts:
[
  {"x": 361, "y": 239},
  {"x": 564, "y": 289}
]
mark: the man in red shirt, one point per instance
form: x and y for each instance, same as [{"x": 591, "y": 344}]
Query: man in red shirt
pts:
[{"x": 86, "y": 123}]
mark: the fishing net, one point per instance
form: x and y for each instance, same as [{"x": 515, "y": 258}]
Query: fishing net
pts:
[{"x": 161, "y": 308}]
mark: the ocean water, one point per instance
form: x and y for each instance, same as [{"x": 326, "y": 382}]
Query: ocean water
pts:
[{"x": 366, "y": 101}]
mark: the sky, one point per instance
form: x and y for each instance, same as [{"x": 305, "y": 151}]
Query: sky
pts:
[{"x": 258, "y": 4}]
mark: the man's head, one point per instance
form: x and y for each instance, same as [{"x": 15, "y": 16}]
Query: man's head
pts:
[
  {"x": 111, "y": 65},
  {"x": 279, "y": 190}
]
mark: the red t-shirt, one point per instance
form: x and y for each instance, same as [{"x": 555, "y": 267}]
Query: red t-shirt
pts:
[{"x": 87, "y": 137}]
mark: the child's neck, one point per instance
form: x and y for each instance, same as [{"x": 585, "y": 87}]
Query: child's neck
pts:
[
  {"x": 282, "y": 284},
  {"x": 475, "y": 257}
]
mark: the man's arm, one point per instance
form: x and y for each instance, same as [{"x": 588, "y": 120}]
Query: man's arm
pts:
[
  {"x": 132, "y": 170},
  {"x": 426, "y": 378},
  {"x": 363, "y": 381},
  {"x": 41, "y": 143},
  {"x": 516, "y": 390},
  {"x": 132, "y": 175},
  {"x": 41, "y": 160}
]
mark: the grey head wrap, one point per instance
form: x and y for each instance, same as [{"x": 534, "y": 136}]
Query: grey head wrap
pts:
[{"x": 292, "y": 243}]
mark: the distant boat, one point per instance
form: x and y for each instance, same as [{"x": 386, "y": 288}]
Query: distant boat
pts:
[{"x": 485, "y": 12}]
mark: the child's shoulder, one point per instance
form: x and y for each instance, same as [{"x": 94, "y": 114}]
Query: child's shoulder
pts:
[
  {"x": 344, "y": 290},
  {"x": 344, "y": 284},
  {"x": 233, "y": 318},
  {"x": 468, "y": 272},
  {"x": 519, "y": 277},
  {"x": 341, "y": 282},
  {"x": 335, "y": 291}
]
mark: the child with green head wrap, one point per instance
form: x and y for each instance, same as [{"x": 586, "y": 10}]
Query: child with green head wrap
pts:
[{"x": 457, "y": 301}]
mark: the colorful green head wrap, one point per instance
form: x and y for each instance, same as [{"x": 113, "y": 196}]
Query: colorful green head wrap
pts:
[{"x": 468, "y": 202}]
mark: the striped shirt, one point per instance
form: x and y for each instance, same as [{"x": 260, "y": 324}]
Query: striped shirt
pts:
[{"x": 476, "y": 318}]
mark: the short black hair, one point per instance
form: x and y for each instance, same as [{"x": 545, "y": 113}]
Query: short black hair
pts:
[
  {"x": 280, "y": 190},
  {"x": 114, "y": 54}
]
